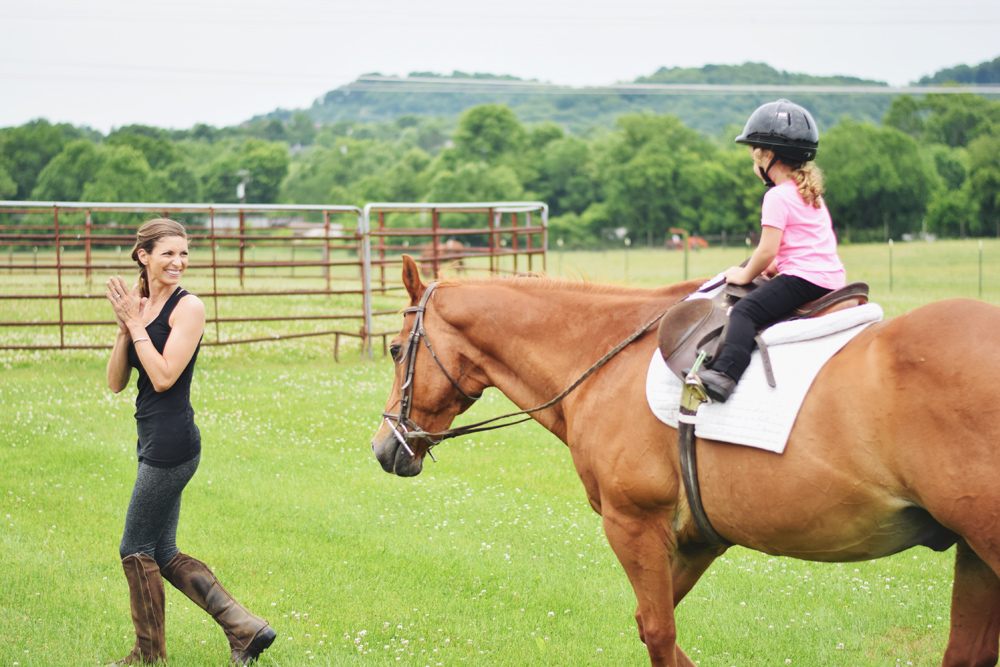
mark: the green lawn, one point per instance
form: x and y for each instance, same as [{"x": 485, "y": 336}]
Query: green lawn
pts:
[{"x": 491, "y": 557}]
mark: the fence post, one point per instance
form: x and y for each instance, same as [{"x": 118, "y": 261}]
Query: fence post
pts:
[
  {"x": 86, "y": 247},
  {"x": 684, "y": 239},
  {"x": 381, "y": 248},
  {"x": 62, "y": 328},
  {"x": 513, "y": 227},
  {"x": 326, "y": 248},
  {"x": 215, "y": 276},
  {"x": 364, "y": 228},
  {"x": 890, "y": 266},
  {"x": 242, "y": 232}
]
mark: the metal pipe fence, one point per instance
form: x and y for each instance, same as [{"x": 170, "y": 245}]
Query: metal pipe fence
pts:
[{"x": 265, "y": 272}]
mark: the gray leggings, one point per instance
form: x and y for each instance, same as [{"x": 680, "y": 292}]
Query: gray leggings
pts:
[{"x": 153, "y": 511}]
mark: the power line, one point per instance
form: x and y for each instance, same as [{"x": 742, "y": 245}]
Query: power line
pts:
[{"x": 385, "y": 84}]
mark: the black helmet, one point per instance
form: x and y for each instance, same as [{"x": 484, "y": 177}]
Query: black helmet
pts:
[{"x": 785, "y": 128}]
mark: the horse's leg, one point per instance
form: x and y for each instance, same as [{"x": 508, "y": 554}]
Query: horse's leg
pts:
[
  {"x": 975, "y": 612},
  {"x": 645, "y": 548},
  {"x": 688, "y": 564}
]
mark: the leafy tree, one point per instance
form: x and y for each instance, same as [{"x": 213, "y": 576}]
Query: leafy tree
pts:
[
  {"x": 878, "y": 185},
  {"x": 906, "y": 114},
  {"x": 65, "y": 176},
  {"x": 565, "y": 176},
  {"x": 984, "y": 181},
  {"x": 476, "y": 182},
  {"x": 159, "y": 151},
  {"x": 710, "y": 194},
  {"x": 266, "y": 164},
  {"x": 204, "y": 132},
  {"x": 951, "y": 164},
  {"x": 220, "y": 179},
  {"x": 432, "y": 136},
  {"x": 405, "y": 181},
  {"x": 123, "y": 176},
  {"x": 640, "y": 168},
  {"x": 301, "y": 130},
  {"x": 983, "y": 73},
  {"x": 952, "y": 213},
  {"x": 274, "y": 131},
  {"x": 571, "y": 229},
  {"x": 489, "y": 132},
  {"x": 28, "y": 148},
  {"x": 329, "y": 171},
  {"x": 175, "y": 184},
  {"x": 544, "y": 133},
  {"x": 8, "y": 188},
  {"x": 957, "y": 119},
  {"x": 473, "y": 182}
]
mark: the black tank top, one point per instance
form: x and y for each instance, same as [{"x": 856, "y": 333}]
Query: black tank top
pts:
[{"x": 167, "y": 433}]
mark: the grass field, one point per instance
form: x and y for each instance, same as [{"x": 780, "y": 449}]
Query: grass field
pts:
[{"x": 490, "y": 557}]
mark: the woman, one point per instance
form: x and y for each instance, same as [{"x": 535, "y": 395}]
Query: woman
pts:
[
  {"x": 160, "y": 326},
  {"x": 797, "y": 241}
]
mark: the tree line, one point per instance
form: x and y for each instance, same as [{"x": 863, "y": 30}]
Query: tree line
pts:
[{"x": 932, "y": 166}]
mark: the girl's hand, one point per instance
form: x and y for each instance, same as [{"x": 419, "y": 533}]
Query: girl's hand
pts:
[{"x": 738, "y": 275}]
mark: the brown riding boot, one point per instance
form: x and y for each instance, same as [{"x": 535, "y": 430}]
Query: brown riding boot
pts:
[
  {"x": 145, "y": 587},
  {"x": 248, "y": 634}
]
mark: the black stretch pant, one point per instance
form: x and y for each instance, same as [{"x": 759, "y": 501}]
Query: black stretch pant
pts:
[
  {"x": 766, "y": 304},
  {"x": 154, "y": 509}
]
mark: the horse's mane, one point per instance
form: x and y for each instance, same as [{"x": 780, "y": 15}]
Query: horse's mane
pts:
[{"x": 544, "y": 282}]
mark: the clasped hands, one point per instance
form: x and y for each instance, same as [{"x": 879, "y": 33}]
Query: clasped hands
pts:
[{"x": 126, "y": 303}]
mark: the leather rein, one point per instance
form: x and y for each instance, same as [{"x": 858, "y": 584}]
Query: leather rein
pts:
[{"x": 405, "y": 429}]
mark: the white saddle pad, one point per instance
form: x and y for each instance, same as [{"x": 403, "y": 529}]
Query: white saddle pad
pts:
[{"x": 756, "y": 414}]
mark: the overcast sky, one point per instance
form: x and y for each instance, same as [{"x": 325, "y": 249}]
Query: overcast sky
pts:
[{"x": 174, "y": 63}]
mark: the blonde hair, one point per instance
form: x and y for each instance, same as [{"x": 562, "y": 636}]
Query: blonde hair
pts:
[
  {"x": 806, "y": 175},
  {"x": 146, "y": 239}
]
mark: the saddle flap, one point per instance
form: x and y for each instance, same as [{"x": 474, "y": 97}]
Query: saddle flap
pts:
[{"x": 686, "y": 329}]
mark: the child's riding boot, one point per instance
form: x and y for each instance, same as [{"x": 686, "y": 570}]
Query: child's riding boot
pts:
[{"x": 718, "y": 385}]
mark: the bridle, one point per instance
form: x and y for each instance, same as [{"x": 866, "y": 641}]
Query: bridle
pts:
[
  {"x": 402, "y": 428},
  {"x": 405, "y": 429}
]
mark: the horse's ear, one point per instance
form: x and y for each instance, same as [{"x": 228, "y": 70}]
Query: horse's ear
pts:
[{"x": 411, "y": 279}]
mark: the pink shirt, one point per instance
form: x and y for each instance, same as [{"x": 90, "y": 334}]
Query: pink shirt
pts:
[{"x": 808, "y": 245}]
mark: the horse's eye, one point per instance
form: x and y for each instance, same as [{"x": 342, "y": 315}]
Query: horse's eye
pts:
[{"x": 394, "y": 351}]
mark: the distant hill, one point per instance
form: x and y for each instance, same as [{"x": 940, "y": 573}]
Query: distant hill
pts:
[
  {"x": 376, "y": 98},
  {"x": 749, "y": 73},
  {"x": 983, "y": 73}
]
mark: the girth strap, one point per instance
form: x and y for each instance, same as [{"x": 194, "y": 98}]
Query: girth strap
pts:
[{"x": 689, "y": 473}]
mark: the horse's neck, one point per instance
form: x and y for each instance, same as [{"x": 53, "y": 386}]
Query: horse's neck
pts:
[{"x": 535, "y": 342}]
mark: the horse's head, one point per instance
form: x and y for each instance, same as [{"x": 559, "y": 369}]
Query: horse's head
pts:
[{"x": 433, "y": 382}]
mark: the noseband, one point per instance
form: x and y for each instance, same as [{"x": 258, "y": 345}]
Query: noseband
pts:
[{"x": 405, "y": 429}]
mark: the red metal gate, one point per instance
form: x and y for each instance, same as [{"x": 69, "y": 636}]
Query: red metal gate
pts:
[{"x": 265, "y": 272}]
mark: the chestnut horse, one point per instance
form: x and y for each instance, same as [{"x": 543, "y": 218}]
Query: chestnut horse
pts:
[{"x": 896, "y": 445}]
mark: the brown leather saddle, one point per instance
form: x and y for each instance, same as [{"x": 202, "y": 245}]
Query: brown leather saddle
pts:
[{"x": 699, "y": 325}]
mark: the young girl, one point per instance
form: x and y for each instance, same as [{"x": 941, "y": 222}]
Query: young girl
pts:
[
  {"x": 796, "y": 243},
  {"x": 159, "y": 333}
]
